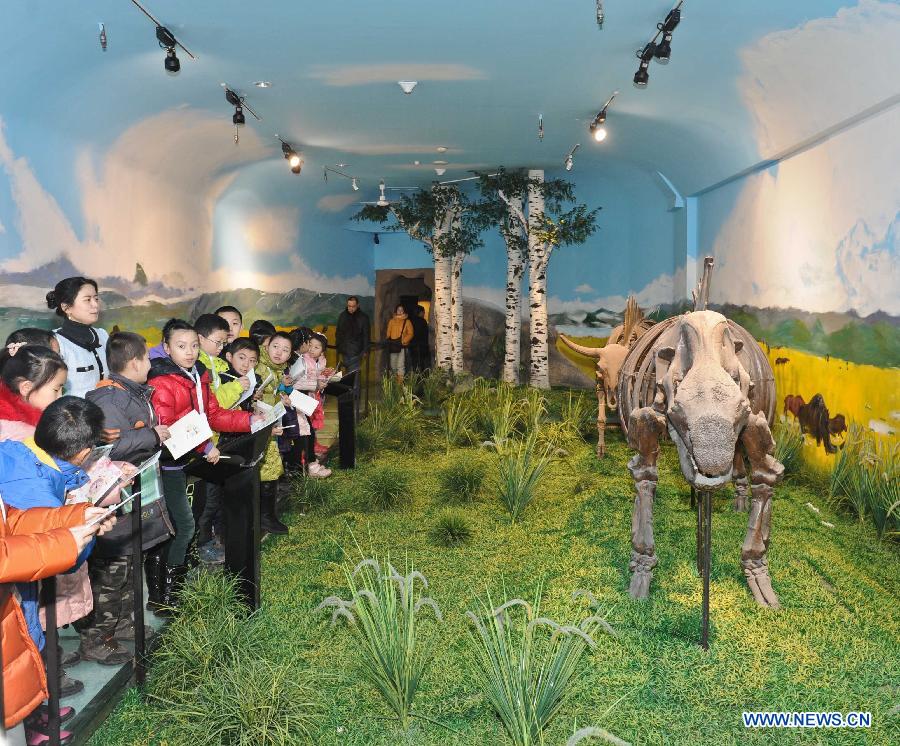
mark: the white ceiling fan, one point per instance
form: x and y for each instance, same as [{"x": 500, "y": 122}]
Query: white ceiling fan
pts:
[{"x": 382, "y": 200}]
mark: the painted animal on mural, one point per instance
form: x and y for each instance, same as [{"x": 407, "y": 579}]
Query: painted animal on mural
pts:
[
  {"x": 815, "y": 420},
  {"x": 609, "y": 362},
  {"x": 705, "y": 381}
]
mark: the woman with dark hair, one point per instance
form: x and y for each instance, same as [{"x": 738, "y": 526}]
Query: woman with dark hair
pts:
[{"x": 82, "y": 346}]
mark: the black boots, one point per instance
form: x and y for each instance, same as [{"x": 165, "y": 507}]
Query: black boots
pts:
[
  {"x": 170, "y": 581},
  {"x": 153, "y": 565},
  {"x": 268, "y": 511}
]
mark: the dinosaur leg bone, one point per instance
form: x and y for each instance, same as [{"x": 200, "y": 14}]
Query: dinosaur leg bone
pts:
[
  {"x": 601, "y": 419},
  {"x": 741, "y": 484},
  {"x": 765, "y": 471},
  {"x": 645, "y": 426}
]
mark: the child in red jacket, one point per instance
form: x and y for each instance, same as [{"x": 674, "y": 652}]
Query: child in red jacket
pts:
[{"x": 181, "y": 385}]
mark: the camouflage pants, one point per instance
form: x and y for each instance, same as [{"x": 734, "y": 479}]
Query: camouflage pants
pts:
[{"x": 112, "y": 586}]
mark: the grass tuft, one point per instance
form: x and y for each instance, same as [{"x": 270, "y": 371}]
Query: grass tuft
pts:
[
  {"x": 521, "y": 469},
  {"x": 461, "y": 481},
  {"x": 384, "y": 486},
  {"x": 451, "y": 529}
]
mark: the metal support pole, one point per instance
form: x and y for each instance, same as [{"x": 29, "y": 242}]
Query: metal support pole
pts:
[
  {"x": 51, "y": 655},
  {"x": 137, "y": 578},
  {"x": 706, "y": 497},
  {"x": 4, "y": 594},
  {"x": 698, "y": 506}
]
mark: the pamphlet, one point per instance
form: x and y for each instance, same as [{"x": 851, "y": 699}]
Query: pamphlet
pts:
[
  {"x": 250, "y": 389},
  {"x": 103, "y": 474},
  {"x": 187, "y": 433},
  {"x": 112, "y": 509},
  {"x": 336, "y": 377},
  {"x": 95, "y": 455},
  {"x": 129, "y": 474},
  {"x": 304, "y": 403},
  {"x": 272, "y": 415}
]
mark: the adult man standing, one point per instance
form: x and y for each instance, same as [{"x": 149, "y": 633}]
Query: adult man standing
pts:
[
  {"x": 420, "y": 350},
  {"x": 352, "y": 335}
]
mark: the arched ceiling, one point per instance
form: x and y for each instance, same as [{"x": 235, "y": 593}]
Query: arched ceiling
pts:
[{"x": 486, "y": 70}]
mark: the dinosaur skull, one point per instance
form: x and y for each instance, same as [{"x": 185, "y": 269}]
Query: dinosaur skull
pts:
[{"x": 703, "y": 390}]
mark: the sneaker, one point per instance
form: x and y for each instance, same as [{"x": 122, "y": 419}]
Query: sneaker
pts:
[
  {"x": 315, "y": 469},
  {"x": 40, "y": 718},
  {"x": 211, "y": 553},
  {"x": 104, "y": 650},
  {"x": 69, "y": 686}
]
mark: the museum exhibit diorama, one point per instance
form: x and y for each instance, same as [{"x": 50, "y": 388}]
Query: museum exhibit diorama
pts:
[{"x": 486, "y": 373}]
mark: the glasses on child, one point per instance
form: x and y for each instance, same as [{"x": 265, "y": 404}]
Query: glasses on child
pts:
[{"x": 216, "y": 342}]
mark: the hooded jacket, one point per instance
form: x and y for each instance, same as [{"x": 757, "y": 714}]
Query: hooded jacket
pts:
[
  {"x": 31, "y": 478},
  {"x": 272, "y": 467},
  {"x": 227, "y": 390},
  {"x": 34, "y": 544},
  {"x": 175, "y": 395},
  {"x": 127, "y": 406}
]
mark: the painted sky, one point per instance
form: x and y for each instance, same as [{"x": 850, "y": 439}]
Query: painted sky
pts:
[{"x": 106, "y": 159}]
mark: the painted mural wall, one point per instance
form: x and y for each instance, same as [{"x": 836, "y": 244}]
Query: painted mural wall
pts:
[{"x": 808, "y": 250}]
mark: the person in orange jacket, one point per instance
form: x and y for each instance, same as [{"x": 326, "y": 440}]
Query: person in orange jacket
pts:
[{"x": 34, "y": 544}]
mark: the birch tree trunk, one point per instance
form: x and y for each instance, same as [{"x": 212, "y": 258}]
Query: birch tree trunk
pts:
[
  {"x": 515, "y": 270},
  {"x": 443, "y": 356},
  {"x": 538, "y": 256},
  {"x": 456, "y": 312}
]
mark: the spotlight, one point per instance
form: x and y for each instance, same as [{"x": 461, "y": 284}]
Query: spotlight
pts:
[
  {"x": 291, "y": 156},
  {"x": 103, "y": 39},
  {"x": 664, "y": 48},
  {"x": 642, "y": 76},
  {"x": 570, "y": 160},
  {"x": 407, "y": 86},
  {"x": 172, "y": 64},
  {"x": 238, "y": 117},
  {"x": 598, "y": 131},
  {"x": 375, "y": 239},
  {"x": 355, "y": 184}
]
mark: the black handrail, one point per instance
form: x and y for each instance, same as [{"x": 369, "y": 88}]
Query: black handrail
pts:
[
  {"x": 51, "y": 654},
  {"x": 137, "y": 579},
  {"x": 4, "y": 592}
]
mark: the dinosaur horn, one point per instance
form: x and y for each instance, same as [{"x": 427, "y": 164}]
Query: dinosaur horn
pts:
[{"x": 594, "y": 352}]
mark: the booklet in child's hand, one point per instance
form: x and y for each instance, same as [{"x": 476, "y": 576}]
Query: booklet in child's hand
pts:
[
  {"x": 336, "y": 377},
  {"x": 187, "y": 433},
  {"x": 104, "y": 474},
  {"x": 304, "y": 403},
  {"x": 250, "y": 389},
  {"x": 272, "y": 414}
]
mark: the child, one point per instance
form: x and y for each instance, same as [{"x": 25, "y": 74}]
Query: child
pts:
[
  {"x": 242, "y": 357},
  {"x": 33, "y": 337},
  {"x": 34, "y": 544},
  {"x": 293, "y": 443},
  {"x": 261, "y": 330},
  {"x": 311, "y": 379},
  {"x": 213, "y": 332},
  {"x": 30, "y": 379},
  {"x": 38, "y": 473},
  {"x": 235, "y": 321},
  {"x": 273, "y": 360},
  {"x": 181, "y": 385},
  {"x": 124, "y": 398}
]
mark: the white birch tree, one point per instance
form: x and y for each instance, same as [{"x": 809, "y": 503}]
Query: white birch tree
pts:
[
  {"x": 530, "y": 239},
  {"x": 440, "y": 219}
]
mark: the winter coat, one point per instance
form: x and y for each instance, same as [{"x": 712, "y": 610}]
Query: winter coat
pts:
[
  {"x": 352, "y": 333},
  {"x": 227, "y": 390},
  {"x": 31, "y": 478},
  {"x": 84, "y": 365},
  {"x": 420, "y": 333},
  {"x": 401, "y": 329},
  {"x": 17, "y": 417},
  {"x": 73, "y": 591},
  {"x": 272, "y": 467},
  {"x": 175, "y": 394},
  {"x": 157, "y": 351},
  {"x": 126, "y": 406},
  {"x": 34, "y": 544}
]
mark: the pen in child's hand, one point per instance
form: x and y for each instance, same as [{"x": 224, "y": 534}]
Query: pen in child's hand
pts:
[{"x": 287, "y": 427}]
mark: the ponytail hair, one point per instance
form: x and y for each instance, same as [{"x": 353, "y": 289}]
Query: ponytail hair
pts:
[
  {"x": 66, "y": 291},
  {"x": 31, "y": 336},
  {"x": 38, "y": 365}
]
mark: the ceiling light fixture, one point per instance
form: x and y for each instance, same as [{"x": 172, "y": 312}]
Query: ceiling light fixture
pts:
[
  {"x": 263, "y": 83},
  {"x": 570, "y": 160},
  {"x": 601, "y": 16},
  {"x": 166, "y": 41},
  {"x": 664, "y": 48},
  {"x": 407, "y": 85},
  {"x": 598, "y": 131},
  {"x": 103, "y": 39},
  {"x": 440, "y": 171},
  {"x": 239, "y": 103},
  {"x": 442, "y": 149},
  {"x": 291, "y": 156},
  {"x": 354, "y": 182},
  {"x": 659, "y": 47},
  {"x": 440, "y": 163},
  {"x": 541, "y": 127}
]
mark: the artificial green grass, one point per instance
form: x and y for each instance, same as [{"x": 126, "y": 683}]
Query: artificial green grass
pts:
[{"x": 834, "y": 646}]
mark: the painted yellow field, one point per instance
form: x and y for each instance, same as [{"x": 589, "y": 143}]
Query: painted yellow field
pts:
[
  {"x": 587, "y": 365},
  {"x": 864, "y": 394}
]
